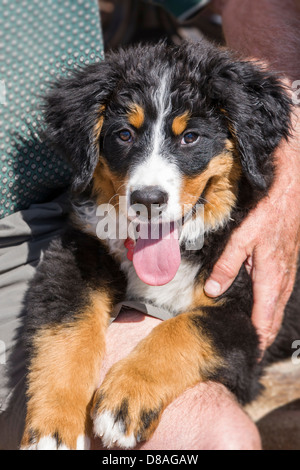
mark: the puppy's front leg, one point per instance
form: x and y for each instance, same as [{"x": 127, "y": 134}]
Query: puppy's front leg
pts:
[
  {"x": 63, "y": 374},
  {"x": 136, "y": 390}
]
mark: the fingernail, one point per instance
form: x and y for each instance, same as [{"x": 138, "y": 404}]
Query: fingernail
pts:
[{"x": 212, "y": 288}]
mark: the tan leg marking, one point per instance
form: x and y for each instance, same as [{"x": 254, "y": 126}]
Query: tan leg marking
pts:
[
  {"x": 64, "y": 373},
  {"x": 136, "y": 390}
]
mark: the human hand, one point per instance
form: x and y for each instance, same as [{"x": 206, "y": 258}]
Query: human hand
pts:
[{"x": 268, "y": 243}]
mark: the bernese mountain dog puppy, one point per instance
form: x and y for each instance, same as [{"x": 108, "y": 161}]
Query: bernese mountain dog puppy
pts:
[{"x": 187, "y": 132}]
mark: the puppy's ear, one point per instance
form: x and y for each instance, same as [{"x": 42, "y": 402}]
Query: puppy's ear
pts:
[
  {"x": 258, "y": 111},
  {"x": 73, "y": 112}
]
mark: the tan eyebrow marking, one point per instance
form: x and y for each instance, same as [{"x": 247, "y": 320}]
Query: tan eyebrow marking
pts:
[
  {"x": 136, "y": 116},
  {"x": 180, "y": 123}
]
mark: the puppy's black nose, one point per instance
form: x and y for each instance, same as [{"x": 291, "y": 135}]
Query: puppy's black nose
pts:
[{"x": 149, "y": 195}]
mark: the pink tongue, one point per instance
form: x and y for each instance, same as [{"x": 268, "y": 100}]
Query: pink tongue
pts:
[{"x": 156, "y": 261}]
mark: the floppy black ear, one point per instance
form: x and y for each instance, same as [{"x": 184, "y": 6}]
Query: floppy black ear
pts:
[
  {"x": 72, "y": 110},
  {"x": 258, "y": 111}
]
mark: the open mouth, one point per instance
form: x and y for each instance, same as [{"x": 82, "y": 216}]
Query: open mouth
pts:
[
  {"x": 154, "y": 242},
  {"x": 156, "y": 253}
]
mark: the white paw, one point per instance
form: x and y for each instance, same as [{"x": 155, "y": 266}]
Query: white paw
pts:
[
  {"x": 112, "y": 431},
  {"x": 50, "y": 443}
]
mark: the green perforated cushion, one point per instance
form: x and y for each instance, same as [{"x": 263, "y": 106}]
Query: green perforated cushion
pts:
[{"x": 39, "y": 41}]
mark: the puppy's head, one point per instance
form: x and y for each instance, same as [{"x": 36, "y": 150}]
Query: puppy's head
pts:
[{"x": 170, "y": 127}]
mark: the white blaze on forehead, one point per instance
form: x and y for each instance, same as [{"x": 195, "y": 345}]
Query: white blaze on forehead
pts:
[
  {"x": 156, "y": 169},
  {"x": 163, "y": 105}
]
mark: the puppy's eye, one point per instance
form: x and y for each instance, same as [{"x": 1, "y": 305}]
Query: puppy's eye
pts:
[
  {"x": 125, "y": 135},
  {"x": 189, "y": 138}
]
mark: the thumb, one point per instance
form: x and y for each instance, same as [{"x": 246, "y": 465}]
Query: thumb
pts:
[{"x": 226, "y": 269}]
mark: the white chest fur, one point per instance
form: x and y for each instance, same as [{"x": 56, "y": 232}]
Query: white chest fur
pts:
[{"x": 175, "y": 296}]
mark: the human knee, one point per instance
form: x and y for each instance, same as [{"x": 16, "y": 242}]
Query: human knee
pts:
[{"x": 244, "y": 436}]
